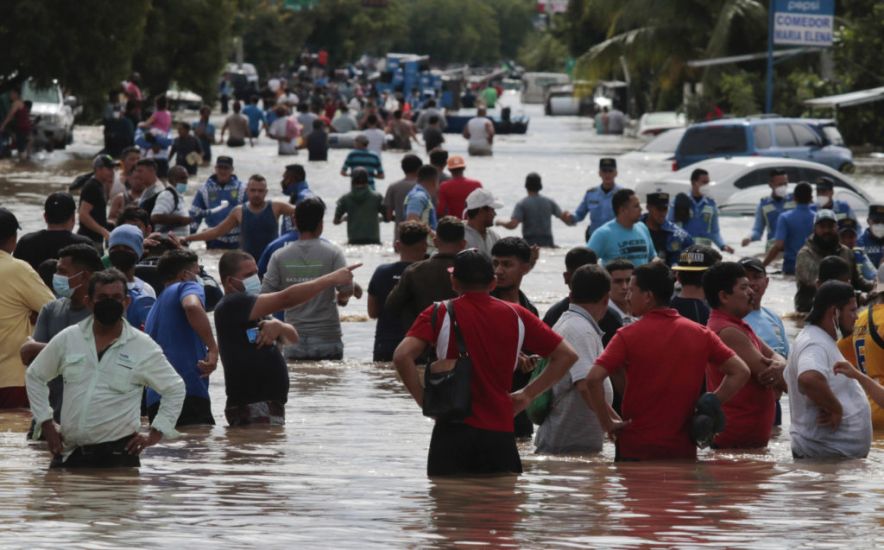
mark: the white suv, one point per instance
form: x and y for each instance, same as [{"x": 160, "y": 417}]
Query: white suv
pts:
[{"x": 52, "y": 115}]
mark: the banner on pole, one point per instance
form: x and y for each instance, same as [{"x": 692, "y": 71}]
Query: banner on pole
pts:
[{"x": 804, "y": 22}]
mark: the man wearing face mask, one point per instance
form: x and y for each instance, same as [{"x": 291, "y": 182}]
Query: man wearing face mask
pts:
[
  {"x": 793, "y": 227},
  {"x": 255, "y": 373},
  {"x": 169, "y": 213},
  {"x": 76, "y": 265},
  {"x": 872, "y": 239},
  {"x": 703, "y": 223},
  {"x": 105, "y": 365},
  {"x": 824, "y": 242},
  {"x": 770, "y": 208},
  {"x": 125, "y": 247},
  {"x": 179, "y": 324},
  {"x": 825, "y": 193}
]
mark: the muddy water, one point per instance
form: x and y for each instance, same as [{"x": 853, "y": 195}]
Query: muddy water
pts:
[{"x": 348, "y": 467}]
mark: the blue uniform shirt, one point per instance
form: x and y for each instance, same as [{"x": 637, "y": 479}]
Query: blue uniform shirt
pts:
[
  {"x": 873, "y": 247},
  {"x": 255, "y": 116},
  {"x": 703, "y": 224},
  {"x": 768, "y": 326},
  {"x": 209, "y": 196},
  {"x": 300, "y": 191},
  {"x": 767, "y": 214},
  {"x": 669, "y": 241},
  {"x": 841, "y": 209},
  {"x": 793, "y": 228},
  {"x": 612, "y": 241},
  {"x": 597, "y": 203}
]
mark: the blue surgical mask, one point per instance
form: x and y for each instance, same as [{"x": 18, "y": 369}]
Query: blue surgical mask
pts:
[
  {"x": 62, "y": 285},
  {"x": 181, "y": 188},
  {"x": 252, "y": 285}
]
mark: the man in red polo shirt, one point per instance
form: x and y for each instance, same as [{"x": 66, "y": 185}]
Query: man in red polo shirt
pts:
[
  {"x": 664, "y": 357},
  {"x": 493, "y": 331},
  {"x": 749, "y": 415},
  {"x": 453, "y": 192}
]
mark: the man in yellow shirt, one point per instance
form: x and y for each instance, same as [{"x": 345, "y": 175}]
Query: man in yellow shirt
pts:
[
  {"x": 22, "y": 298},
  {"x": 864, "y": 348}
]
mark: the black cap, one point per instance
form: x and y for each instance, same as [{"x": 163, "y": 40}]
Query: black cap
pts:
[
  {"x": 876, "y": 211},
  {"x": 224, "y": 161},
  {"x": 59, "y": 207},
  {"x": 754, "y": 264},
  {"x": 825, "y": 183},
  {"x": 607, "y": 163},
  {"x": 472, "y": 267},
  {"x": 103, "y": 161},
  {"x": 8, "y": 224},
  {"x": 658, "y": 199},
  {"x": 696, "y": 258},
  {"x": 848, "y": 224}
]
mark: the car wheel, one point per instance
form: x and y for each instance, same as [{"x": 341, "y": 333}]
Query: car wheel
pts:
[{"x": 847, "y": 168}]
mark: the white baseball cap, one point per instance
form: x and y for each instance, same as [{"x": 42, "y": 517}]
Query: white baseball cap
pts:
[{"x": 481, "y": 198}]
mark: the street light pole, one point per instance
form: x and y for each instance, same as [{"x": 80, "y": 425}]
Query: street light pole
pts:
[{"x": 768, "y": 91}]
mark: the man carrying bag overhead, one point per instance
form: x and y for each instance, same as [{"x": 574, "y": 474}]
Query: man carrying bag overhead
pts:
[{"x": 492, "y": 332}]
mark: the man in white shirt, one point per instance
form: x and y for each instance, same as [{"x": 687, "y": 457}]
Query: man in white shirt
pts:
[
  {"x": 479, "y": 132},
  {"x": 105, "y": 364},
  {"x": 831, "y": 417},
  {"x": 480, "y": 212},
  {"x": 571, "y": 426},
  {"x": 170, "y": 213}
]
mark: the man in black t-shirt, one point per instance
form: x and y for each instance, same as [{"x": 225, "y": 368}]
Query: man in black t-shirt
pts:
[
  {"x": 39, "y": 246},
  {"x": 255, "y": 372},
  {"x": 93, "y": 201}
]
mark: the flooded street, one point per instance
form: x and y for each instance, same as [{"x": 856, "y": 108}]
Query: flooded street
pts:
[{"x": 348, "y": 468}]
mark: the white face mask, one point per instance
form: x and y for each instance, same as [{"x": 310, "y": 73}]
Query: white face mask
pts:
[
  {"x": 822, "y": 201},
  {"x": 781, "y": 191},
  {"x": 705, "y": 190},
  {"x": 838, "y": 334},
  {"x": 877, "y": 230}
]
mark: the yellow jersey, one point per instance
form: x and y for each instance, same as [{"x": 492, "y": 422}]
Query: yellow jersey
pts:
[{"x": 868, "y": 350}]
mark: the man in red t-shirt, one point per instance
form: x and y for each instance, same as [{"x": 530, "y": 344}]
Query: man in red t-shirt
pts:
[
  {"x": 493, "y": 331},
  {"x": 664, "y": 357},
  {"x": 453, "y": 192},
  {"x": 749, "y": 415}
]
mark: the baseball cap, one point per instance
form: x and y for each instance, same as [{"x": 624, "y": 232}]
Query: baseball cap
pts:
[
  {"x": 224, "y": 161},
  {"x": 481, "y": 198},
  {"x": 754, "y": 264},
  {"x": 129, "y": 236},
  {"x": 8, "y": 223},
  {"x": 456, "y": 162},
  {"x": 695, "y": 259},
  {"x": 59, "y": 207},
  {"x": 472, "y": 267},
  {"x": 848, "y": 224},
  {"x": 607, "y": 163},
  {"x": 103, "y": 161},
  {"x": 876, "y": 211},
  {"x": 823, "y": 215},
  {"x": 658, "y": 199},
  {"x": 826, "y": 183}
]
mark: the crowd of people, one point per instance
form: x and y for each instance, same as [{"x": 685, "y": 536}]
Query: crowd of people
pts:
[{"x": 109, "y": 324}]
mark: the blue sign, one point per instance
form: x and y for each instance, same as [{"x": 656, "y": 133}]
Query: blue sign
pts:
[{"x": 803, "y": 22}]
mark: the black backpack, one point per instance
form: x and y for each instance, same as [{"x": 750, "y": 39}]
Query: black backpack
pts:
[{"x": 149, "y": 204}]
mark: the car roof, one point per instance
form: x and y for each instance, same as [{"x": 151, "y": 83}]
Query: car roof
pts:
[
  {"x": 735, "y": 164},
  {"x": 750, "y": 121}
]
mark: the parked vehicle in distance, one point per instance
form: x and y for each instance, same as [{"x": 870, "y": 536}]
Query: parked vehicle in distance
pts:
[
  {"x": 52, "y": 115},
  {"x": 535, "y": 85},
  {"x": 244, "y": 79},
  {"x": 745, "y": 201},
  {"x": 732, "y": 178},
  {"x": 803, "y": 139},
  {"x": 183, "y": 99},
  {"x": 573, "y": 99},
  {"x": 653, "y": 124},
  {"x": 652, "y": 159}
]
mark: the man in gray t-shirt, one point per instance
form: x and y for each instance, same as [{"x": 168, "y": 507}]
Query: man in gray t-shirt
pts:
[
  {"x": 571, "y": 426},
  {"x": 310, "y": 257},
  {"x": 535, "y": 212}
]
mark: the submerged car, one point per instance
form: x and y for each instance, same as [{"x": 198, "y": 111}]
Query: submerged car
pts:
[
  {"x": 52, "y": 114},
  {"x": 744, "y": 180},
  {"x": 654, "y": 124}
]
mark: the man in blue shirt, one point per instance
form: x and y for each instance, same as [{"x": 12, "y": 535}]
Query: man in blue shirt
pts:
[
  {"x": 625, "y": 236},
  {"x": 770, "y": 208},
  {"x": 872, "y": 239},
  {"x": 703, "y": 223},
  {"x": 597, "y": 201},
  {"x": 825, "y": 193},
  {"x": 255, "y": 116},
  {"x": 847, "y": 232},
  {"x": 793, "y": 228},
  {"x": 179, "y": 324},
  {"x": 209, "y": 202},
  {"x": 669, "y": 239},
  {"x": 419, "y": 201}
]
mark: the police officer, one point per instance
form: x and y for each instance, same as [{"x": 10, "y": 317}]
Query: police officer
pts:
[
  {"x": 825, "y": 193},
  {"x": 597, "y": 201},
  {"x": 847, "y": 232},
  {"x": 872, "y": 239},
  {"x": 669, "y": 239},
  {"x": 770, "y": 208},
  {"x": 703, "y": 223}
]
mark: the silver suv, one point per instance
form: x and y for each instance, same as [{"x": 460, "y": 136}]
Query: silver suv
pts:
[{"x": 52, "y": 115}]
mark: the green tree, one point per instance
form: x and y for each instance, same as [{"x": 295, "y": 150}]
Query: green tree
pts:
[
  {"x": 272, "y": 34},
  {"x": 347, "y": 29},
  {"x": 450, "y": 31},
  {"x": 543, "y": 52},
  {"x": 515, "y": 24}
]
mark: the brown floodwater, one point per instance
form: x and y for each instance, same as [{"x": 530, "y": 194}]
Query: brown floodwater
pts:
[{"x": 348, "y": 468}]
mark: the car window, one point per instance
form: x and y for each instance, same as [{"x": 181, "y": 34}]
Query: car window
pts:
[
  {"x": 805, "y": 136},
  {"x": 812, "y": 175},
  {"x": 665, "y": 142},
  {"x": 713, "y": 140},
  {"x": 784, "y": 136},
  {"x": 753, "y": 178},
  {"x": 762, "y": 136},
  {"x": 833, "y": 135}
]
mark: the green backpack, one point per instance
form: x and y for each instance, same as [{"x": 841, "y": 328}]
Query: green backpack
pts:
[{"x": 539, "y": 409}]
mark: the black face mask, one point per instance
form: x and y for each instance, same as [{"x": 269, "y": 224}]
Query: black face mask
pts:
[
  {"x": 108, "y": 311},
  {"x": 124, "y": 260}
]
